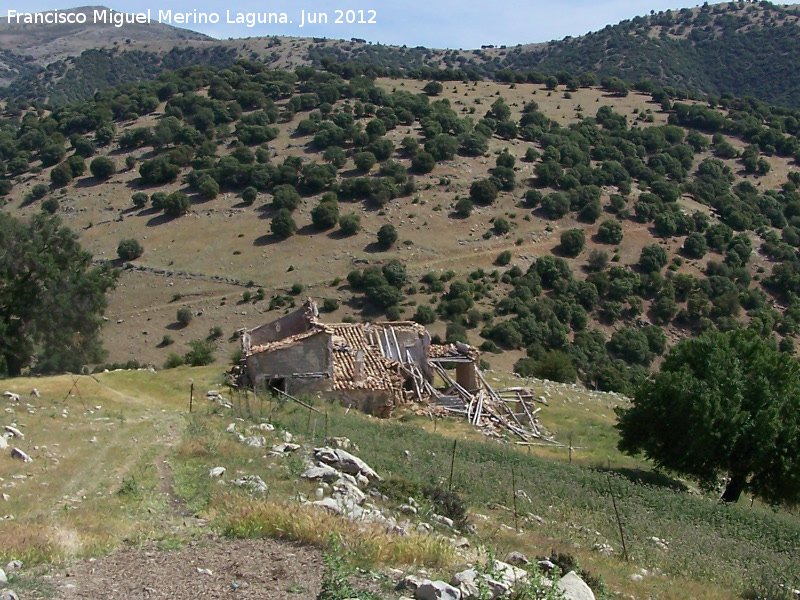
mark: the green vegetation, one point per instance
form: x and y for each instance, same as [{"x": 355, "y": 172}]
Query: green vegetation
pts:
[
  {"x": 724, "y": 404},
  {"x": 52, "y": 298}
]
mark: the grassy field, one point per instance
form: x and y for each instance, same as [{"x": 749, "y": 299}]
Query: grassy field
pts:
[{"x": 121, "y": 460}]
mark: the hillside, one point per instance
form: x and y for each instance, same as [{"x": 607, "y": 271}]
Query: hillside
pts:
[
  {"x": 582, "y": 231},
  {"x": 742, "y": 49},
  {"x": 128, "y": 494}
]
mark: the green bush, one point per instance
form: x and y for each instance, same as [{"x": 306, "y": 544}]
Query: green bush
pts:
[
  {"x": 283, "y": 225},
  {"x": 201, "y": 353},
  {"x": 129, "y": 249},
  {"x": 184, "y": 316},
  {"x": 387, "y": 236},
  {"x": 102, "y": 167},
  {"x": 350, "y": 224}
]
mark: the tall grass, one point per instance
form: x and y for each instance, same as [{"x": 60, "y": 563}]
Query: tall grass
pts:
[{"x": 730, "y": 545}]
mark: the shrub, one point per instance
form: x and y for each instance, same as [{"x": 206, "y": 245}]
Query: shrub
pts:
[
  {"x": 503, "y": 258},
  {"x": 283, "y": 225},
  {"x": 501, "y": 226},
  {"x": 208, "y": 188},
  {"x": 285, "y": 197},
  {"x": 610, "y": 232},
  {"x": 325, "y": 215},
  {"x": 139, "y": 200},
  {"x": 553, "y": 365},
  {"x": 184, "y": 316},
  {"x": 652, "y": 258},
  {"x": 364, "y": 161},
  {"x": 350, "y": 224},
  {"x": 694, "y": 246},
  {"x": 61, "y": 175},
  {"x": 129, "y": 249},
  {"x": 50, "y": 206},
  {"x": 572, "y": 242},
  {"x": 483, "y": 191},
  {"x": 464, "y": 207},
  {"x": 423, "y": 162},
  {"x": 102, "y": 167},
  {"x": 173, "y": 360},
  {"x": 201, "y": 353},
  {"x": 425, "y": 315},
  {"x": 387, "y": 236},
  {"x": 330, "y": 305},
  {"x": 176, "y": 204},
  {"x": 249, "y": 195}
]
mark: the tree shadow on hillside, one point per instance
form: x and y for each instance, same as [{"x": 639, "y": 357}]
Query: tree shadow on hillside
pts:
[
  {"x": 89, "y": 182},
  {"x": 651, "y": 478},
  {"x": 268, "y": 239},
  {"x": 160, "y": 220}
]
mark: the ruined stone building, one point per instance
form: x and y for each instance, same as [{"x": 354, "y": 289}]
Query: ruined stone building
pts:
[{"x": 370, "y": 366}]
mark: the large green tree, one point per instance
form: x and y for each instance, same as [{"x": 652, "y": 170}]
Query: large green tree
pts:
[
  {"x": 723, "y": 404},
  {"x": 51, "y": 297}
]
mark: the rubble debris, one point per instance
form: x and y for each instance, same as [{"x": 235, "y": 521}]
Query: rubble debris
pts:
[
  {"x": 345, "y": 462},
  {"x": 254, "y": 483},
  {"x": 11, "y": 396},
  {"x": 379, "y": 366},
  {"x": 14, "y": 432}
]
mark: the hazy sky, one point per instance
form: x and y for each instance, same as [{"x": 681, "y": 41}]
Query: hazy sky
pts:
[{"x": 432, "y": 23}]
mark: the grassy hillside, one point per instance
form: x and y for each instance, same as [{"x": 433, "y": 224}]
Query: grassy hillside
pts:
[
  {"x": 575, "y": 227},
  {"x": 118, "y": 460}
]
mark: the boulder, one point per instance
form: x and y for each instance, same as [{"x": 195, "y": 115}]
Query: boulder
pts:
[
  {"x": 3, "y": 578},
  {"x": 8, "y": 595},
  {"x": 254, "y": 483},
  {"x": 255, "y": 442},
  {"x": 14, "y": 432},
  {"x": 323, "y": 472},
  {"x": 11, "y": 396},
  {"x": 517, "y": 558},
  {"x": 216, "y": 472},
  {"x": 410, "y": 583},
  {"x": 3, "y": 443},
  {"x": 285, "y": 448},
  {"x": 574, "y": 588},
  {"x": 436, "y": 590},
  {"x": 346, "y": 462},
  {"x": 19, "y": 454}
]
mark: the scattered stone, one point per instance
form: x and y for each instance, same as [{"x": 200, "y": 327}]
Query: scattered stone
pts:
[
  {"x": 14, "y": 565},
  {"x": 546, "y": 565},
  {"x": 436, "y": 590},
  {"x": 407, "y": 508},
  {"x": 461, "y": 542},
  {"x": 254, "y": 442},
  {"x": 322, "y": 472},
  {"x": 660, "y": 544},
  {"x": 266, "y": 427},
  {"x": 231, "y": 428},
  {"x": 3, "y": 578},
  {"x": 204, "y": 571},
  {"x": 35, "y": 392},
  {"x": 574, "y": 588},
  {"x": 14, "y": 432},
  {"x": 11, "y": 396},
  {"x": 636, "y": 577},
  {"x": 442, "y": 520},
  {"x": 517, "y": 558},
  {"x": 285, "y": 448},
  {"x": 346, "y": 462},
  {"x": 19, "y": 454},
  {"x": 254, "y": 483},
  {"x": 8, "y": 595},
  {"x": 287, "y": 437},
  {"x": 329, "y": 504},
  {"x": 216, "y": 472},
  {"x": 5, "y": 497},
  {"x": 603, "y": 549},
  {"x": 3, "y": 443},
  {"x": 410, "y": 583},
  {"x": 341, "y": 443}
]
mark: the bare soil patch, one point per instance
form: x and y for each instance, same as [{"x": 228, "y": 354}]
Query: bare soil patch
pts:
[{"x": 242, "y": 569}]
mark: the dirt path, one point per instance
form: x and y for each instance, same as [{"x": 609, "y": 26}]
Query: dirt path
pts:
[{"x": 242, "y": 569}]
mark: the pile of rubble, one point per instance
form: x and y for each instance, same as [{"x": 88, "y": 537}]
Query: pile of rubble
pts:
[{"x": 495, "y": 580}]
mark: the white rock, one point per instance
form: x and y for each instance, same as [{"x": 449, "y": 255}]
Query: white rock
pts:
[
  {"x": 266, "y": 427},
  {"x": 322, "y": 472},
  {"x": 410, "y": 583},
  {"x": 17, "y": 453},
  {"x": 216, "y": 472},
  {"x": 346, "y": 462},
  {"x": 517, "y": 558},
  {"x": 14, "y": 432},
  {"x": 285, "y": 448},
  {"x": 8, "y": 595},
  {"x": 574, "y": 588},
  {"x": 442, "y": 520},
  {"x": 255, "y": 442},
  {"x": 254, "y": 483},
  {"x": 14, "y": 565},
  {"x": 636, "y": 577},
  {"x": 3, "y": 443},
  {"x": 3, "y": 578},
  {"x": 35, "y": 392},
  {"x": 436, "y": 590},
  {"x": 287, "y": 437},
  {"x": 407, "y": 508},
  {"x": 11, "y": 396},
  {"x": 204, "y": 571},
  {"x": 231, "y": 428}
]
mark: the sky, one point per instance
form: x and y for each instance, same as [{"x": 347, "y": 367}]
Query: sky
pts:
[{"x": 431, "y": 23}]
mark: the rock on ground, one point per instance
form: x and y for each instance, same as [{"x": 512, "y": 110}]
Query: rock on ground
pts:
[
  {"x": 574, "y": 588},
  {"x": 436, "y": 590},
  {"x": 346, "y": 462}
]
